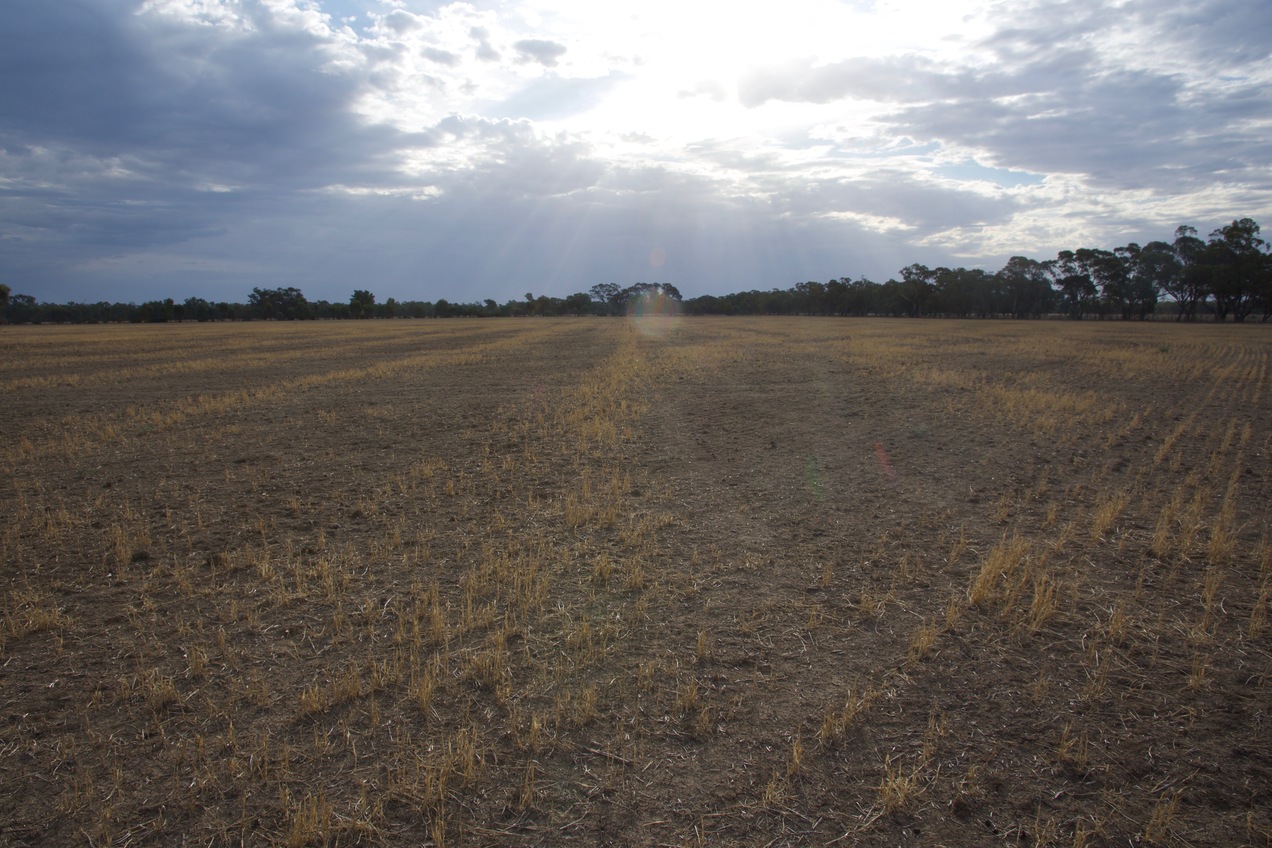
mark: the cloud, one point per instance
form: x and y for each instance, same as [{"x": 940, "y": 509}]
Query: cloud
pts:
[
  {"x": 896, "y": 79},
  {"x": 506, "y": 160},
  {"x": 441, "y": 57},
  {"x": 711, "y": 89},
  {"x": 923, "y": 205},
  {"x": 485, "y": 51},
  {"x": 67, "y": 69},
  {"x": 250, "y": 102},
  {"x": 1063, "y": 88},
  {"x": 124, "y": 132},
  {"x": 546, "y": 53},
  {"x": 1068, "y": 110},
  {"x": 552, "y": 98},
  {"x": 401, "y": 21},
  {"x": 459, "y": 150},
  {"x": 1223, "y": 33}
]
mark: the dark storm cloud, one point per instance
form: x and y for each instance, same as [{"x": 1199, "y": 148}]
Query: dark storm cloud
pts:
[
  {"x": 69, "y": 69},
  {"x": 254, "y": 106},
  {"x": 123, "y": 131}
]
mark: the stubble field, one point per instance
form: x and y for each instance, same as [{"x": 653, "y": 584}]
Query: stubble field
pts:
[{"x": 664, "y": 582}]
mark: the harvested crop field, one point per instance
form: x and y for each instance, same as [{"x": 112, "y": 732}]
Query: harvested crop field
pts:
[{"x": 665, "y": 582}]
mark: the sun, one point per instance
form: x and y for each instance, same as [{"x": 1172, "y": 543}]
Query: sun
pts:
[{"x": 684, "y": 68}]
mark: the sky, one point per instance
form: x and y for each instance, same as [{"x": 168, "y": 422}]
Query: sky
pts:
[{"x": 470, "y": 150}]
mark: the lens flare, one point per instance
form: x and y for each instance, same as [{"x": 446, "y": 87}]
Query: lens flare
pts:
[
  {"x": 885, "y": 464},
  {"x": 655, "y": 313},
  {"x": 813, "y": 477}
]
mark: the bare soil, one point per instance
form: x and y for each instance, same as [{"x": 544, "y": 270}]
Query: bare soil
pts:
[{"x": 664, "y": 582}]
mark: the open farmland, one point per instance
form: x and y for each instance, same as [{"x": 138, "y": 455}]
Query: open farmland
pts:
[{"x": 605, "y": 582}]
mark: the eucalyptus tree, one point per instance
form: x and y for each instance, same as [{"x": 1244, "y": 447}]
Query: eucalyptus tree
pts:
[
  {"x": 1112, "y": 276},
  {"x": 283, "y": 304},
  {"x": 1238, "y": 269},
  {"x": 916, "y": 288},
  {"x": 812, "y": 296},
  {"x": 1071, "y": 273},
  {"x": 1154, "y": 266},
  {"x": 962, "y": 292},
  {"x": 1130, "y": 279},
  {"x": 579, "y": 303},
  {"x": 1187, "y": 286},
  {"x": 1024, "y": 288},
  {"x": 609, "y": 294},
  {"x": 361, "y": 303}
]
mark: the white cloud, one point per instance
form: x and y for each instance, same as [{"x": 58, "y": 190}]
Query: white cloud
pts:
[{"x": 546, "y": 53}]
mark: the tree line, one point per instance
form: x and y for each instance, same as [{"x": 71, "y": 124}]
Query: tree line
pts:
[
  {"x": 290, "y": 304},
  {"x": 1227, "y": 276}
]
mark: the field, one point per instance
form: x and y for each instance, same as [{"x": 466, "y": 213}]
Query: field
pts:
[{"x": 652, "y": 582}]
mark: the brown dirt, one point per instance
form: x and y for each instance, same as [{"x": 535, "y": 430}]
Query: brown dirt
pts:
[{"x": 755, "y": 582}]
